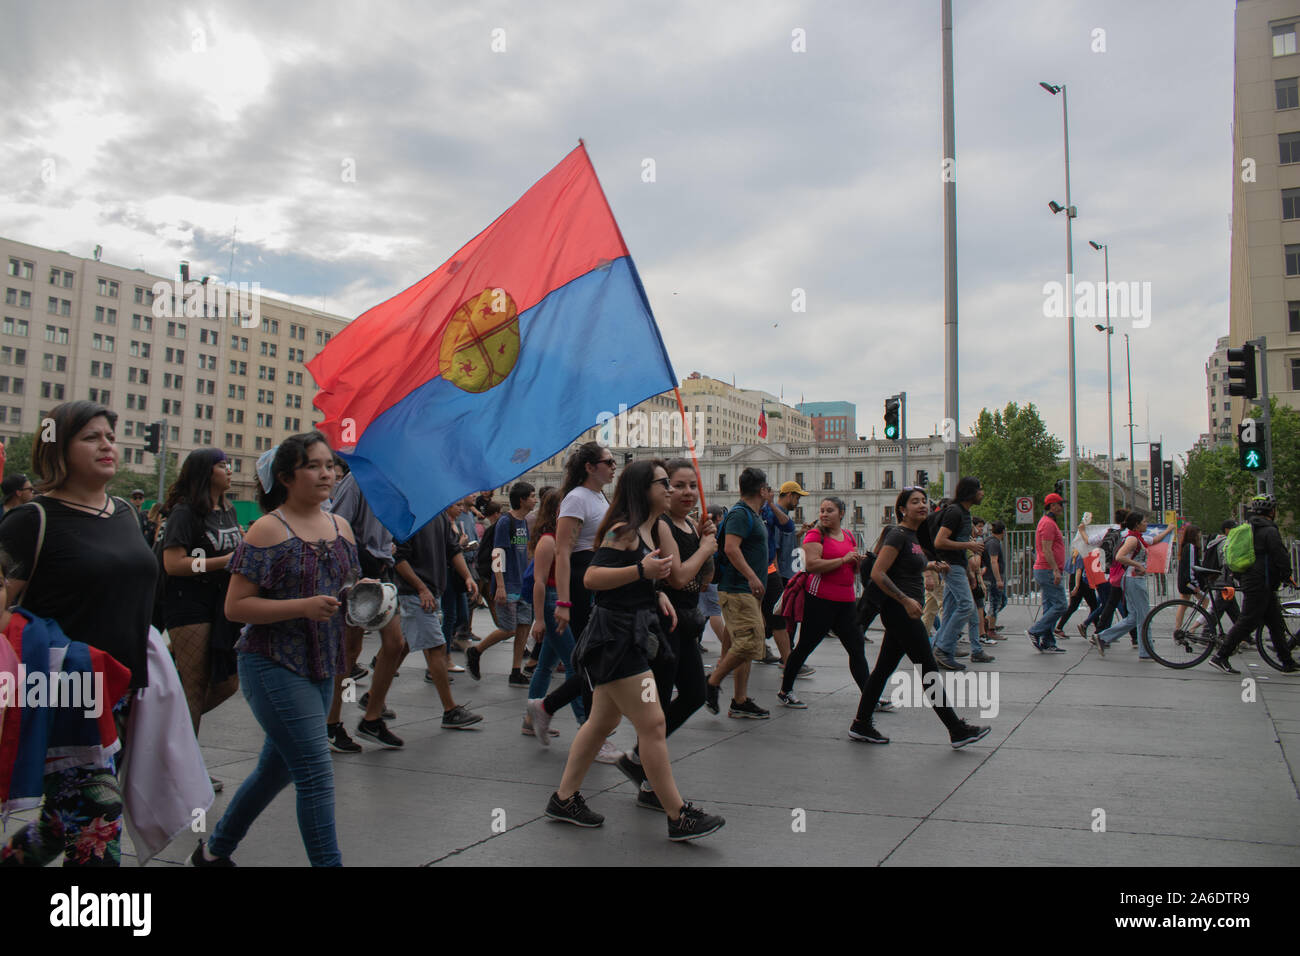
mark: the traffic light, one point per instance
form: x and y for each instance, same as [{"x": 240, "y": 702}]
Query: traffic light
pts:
[
  {"x": 153, "y": 437},
  {"x": 923, "y": 478},
  {"x": 1241, "y": 372},
  {"x": 1251, "y": 445},
  {"x": 1059, "y": 487},
  {"x": 891, "y": 418}
]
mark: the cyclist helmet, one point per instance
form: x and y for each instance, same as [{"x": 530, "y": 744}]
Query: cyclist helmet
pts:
[{"x": 1261, "y": 505}]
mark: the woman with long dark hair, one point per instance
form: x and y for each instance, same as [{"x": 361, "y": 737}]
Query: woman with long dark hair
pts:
[
  {"x": 691, "y": 545},
  {"x": 832, "y": 556},
  {"x": 1129, "y": 572},
  {"x": 285, "y": 578},
  {"x": 897, "y": 581},
  {"x": 1189, "y": 589},
  {"x": 80, "y": 559},
  {"x": 202, "y": 534},
  {"x": 619, "y": 647},
  {"x": 556, "y": 642}
]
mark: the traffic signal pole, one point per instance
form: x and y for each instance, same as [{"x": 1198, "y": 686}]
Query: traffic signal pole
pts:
[
  {"x": 161, "y": 458},
  {"x": 1262, "y": 348},
  {"x": 902, "y": 434}
]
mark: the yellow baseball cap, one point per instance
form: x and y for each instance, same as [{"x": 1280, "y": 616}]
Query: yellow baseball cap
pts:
[{"x": 790, "y": 486}]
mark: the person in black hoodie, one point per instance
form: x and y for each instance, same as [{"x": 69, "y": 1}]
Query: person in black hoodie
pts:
[{"x": 1259, "y": 584}]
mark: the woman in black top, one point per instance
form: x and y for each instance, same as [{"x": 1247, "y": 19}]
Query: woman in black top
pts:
[
  {"x": 898, "y": 579},
  {"x": 691, "y": 546},
  {"x": 617, "y": 649},
  {"x": 81, "y": 560},
  {"x": 202, "y": 533}
]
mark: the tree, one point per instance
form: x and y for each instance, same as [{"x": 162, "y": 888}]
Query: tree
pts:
[
  {"x": 18, "y": 454},
  {"x": 1213, "y": 486},
  {"x": 1013, "y": 454}
]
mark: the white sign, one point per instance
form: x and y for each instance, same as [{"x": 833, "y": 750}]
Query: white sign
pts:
[{"x": 1024, "y": 511}]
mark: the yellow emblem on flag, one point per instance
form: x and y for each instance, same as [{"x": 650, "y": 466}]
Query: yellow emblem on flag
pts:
[{"x": 481, "y": 342}]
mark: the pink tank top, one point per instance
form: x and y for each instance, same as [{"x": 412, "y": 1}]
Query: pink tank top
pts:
[{"x": 836, "y": 585}]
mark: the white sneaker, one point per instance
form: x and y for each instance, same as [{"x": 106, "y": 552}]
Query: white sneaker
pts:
[
  {"x": 541, "y": 721},
  {"x": 608, "y": 753}
]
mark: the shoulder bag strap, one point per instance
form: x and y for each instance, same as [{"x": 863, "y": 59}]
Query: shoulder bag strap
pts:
[{"x": 36, "y": 556}]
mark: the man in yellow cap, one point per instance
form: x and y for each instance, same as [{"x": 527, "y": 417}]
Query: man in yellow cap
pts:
[{"x": 784, "y": 535}]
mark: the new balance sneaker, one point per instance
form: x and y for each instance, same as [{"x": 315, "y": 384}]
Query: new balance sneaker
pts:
[
  {"x": 458, "y": 718},
  {"x": 866, "y": 732},
  {"x": 747, "y": 708},
  {"x": 364, "y": 702},
  {"x": 711, "y": 697},
  {"x": 378, "y": 731},
  {"x": 692, "y": 824},
  {"x": 1221, "y": 664},
  {"x": 608, "y": 753},
  {"x": 540, "y": 720},
  {"x": 472, "y": 655},
  {"x": 790, "y": 700},
  {"x": 519, "y": 679},
  {"x": 340, "y": 742},
  {"x": 966, "y": 734},
  {"x": 648, "y": 800},
  {"x": 574, "y": 810},
  {"x": 632, "y": 769}
]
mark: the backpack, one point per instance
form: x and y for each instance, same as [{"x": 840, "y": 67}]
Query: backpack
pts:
[
  {"x": 1109, "y": 544},
  {"x": 1211, "y": 557},
  {"x": 1239, "y": 549},
  {"x": 720, "y": 559},
  {"x": 483, "y": 560}
]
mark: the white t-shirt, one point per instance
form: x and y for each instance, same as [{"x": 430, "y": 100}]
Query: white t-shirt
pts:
[{"x": 588, "y": 507}]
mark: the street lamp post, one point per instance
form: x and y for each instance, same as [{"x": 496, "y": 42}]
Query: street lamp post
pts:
[
  {"x": 1110, "y": 404},
  {"x": 1131, "y": 500},
  {"x": 1070, "y": 214}
]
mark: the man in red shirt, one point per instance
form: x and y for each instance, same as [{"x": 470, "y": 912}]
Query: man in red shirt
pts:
[{"x": 1049, "y": 564}]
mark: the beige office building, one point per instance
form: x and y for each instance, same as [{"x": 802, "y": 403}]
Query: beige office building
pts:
[
  {"x": 1265, "y": 276},
  {"x": 1219, "y": 403},
  {"x": 220, "y": 368}
]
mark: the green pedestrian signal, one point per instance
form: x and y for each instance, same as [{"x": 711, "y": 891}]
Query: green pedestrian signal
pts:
[
  {"x": 1252, "y": 460},
  {"x": 891, "y": 417},
  {"x": 1250, "y": 445}
]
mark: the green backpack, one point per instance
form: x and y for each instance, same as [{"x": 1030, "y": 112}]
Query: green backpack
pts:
[{"x": 1239, "y": 549}]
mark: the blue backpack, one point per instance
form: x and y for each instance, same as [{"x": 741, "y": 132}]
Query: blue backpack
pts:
[{"x": 720, "y": 559}]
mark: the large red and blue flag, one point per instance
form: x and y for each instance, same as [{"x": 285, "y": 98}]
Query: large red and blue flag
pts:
[{"x": 498, "y": 359}]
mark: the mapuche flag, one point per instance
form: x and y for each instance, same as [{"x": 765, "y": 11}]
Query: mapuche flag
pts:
[{"x": 498, "y": 359}]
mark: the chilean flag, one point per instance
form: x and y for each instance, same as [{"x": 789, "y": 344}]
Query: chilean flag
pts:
[
  {"x": 762, "y": 424},
  {"x": 498, "y": 359}
]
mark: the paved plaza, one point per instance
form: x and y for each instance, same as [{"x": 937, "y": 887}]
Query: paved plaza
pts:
[{"x": 1187, "y": 774}]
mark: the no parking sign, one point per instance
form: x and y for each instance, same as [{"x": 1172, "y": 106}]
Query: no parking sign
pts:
[{"x": 1024, "y": 511}]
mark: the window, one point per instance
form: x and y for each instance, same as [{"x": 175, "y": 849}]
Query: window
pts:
[
  {"x": 176, "y": 330},
  {"x": 1288, "y": 93},
  {"x": 143, "y": 296},
  {"x": 261, "y": 444},
  {"x": 268, "y": 374},
  {"x": 12, "y": 356},
  {"x": 52, "y": 391},
  {"x": 1295, "y": 374},
  {"x": 237, "y": 391},
  {"x": 1293, "y": 260},
  {"x": 857, "y": 481},
  {"x": 1291, "y": 204},
  {"x": 101, "y": 369},
  {"x": 1293, "y": 316},
  {"x": 1288, "y": 145},
  {"x": 15, "y": 326},
  {"x": 722, "y": 479},
  {"x": 175, "y": 433},
  {"x": 290, "y": 424},
  {"x": 18, "y": 297},
  {"x": 828, "y": 481},
  {"x": 142, "y": 323},
  {"x": 105, "y": 316},
  {"x": 55, "y": 363},
  {"x": 857, "y": 514},
  {"x": 293, "y": 401},
  {"x": 235, "y": 415},
  {"x": 20, "y": 268},
  {"x": 238, "y": 368},
  {"x": 1284, "y": 39},
  {"x": 61, "y": 277},
  {"x": 54, "y": 333},
  {"x": 102, "y": 343},
  {"x": 100, "y": 395},
  {"x": 889, "y": 481},
  {"x": 264, "y": 420},
  {"x": 271, "y": 325},
  {"x": 208, "y": 336},
  {"x": 235, "y": 462},
  {"x": 108, "y": 287},
  {"x": 798, "y": 477},
  {"x": 176, "y": 355}
]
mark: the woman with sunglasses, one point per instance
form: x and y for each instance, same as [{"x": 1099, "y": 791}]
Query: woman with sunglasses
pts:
[
  {"x": 898, "y": 585},
  {"x": 202, "y": 534},
  {"x": 623, "y": 641}
]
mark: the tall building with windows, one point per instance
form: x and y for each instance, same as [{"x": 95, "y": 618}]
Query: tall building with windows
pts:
[
  {"x": 831, "y": 421},
  {"x": 1265, "y": 271},
  {"x": 153, "y": 348},
  {"x": 1219, "y": 414}
]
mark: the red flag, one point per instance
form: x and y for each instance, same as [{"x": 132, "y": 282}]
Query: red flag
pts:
[{"x": 762, "y": 424}]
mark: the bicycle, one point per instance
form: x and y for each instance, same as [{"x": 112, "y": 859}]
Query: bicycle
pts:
[{"x": 1202, "y": 633}]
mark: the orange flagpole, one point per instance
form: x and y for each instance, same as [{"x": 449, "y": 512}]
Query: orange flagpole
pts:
[{"x": 690, "y": 446}]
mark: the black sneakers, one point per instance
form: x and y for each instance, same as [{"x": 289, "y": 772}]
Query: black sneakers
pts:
[
  {"x": 378, "y": 731},
  {"x": 631, "y": 769},
  {"x": 692, "y": 824},
  {"x": 519, "y": 679},
  {"x": 198, "y": 859},
  {"x": 1221, "y": 664},
  {"x": 747, "y": 708},
  {"x": 711, "y": 697},
  {"x": 648, "y": 800},
  {"x": 364, "y": 702},
  {"x": 472, "y": 655},
  {"x": 966, "y": 734},
  {"x": 574, "y": 810},
  {"x": 866, "y": 732},
  {"x": 458, "y": 718},
  {"x": 340, "y": 742}
]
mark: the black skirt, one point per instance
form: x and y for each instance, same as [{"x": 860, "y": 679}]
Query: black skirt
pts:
[{"x": 618, "y": 644}]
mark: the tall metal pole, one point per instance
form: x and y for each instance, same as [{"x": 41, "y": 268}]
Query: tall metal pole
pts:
[
  {"x": 1261, "y": 347},
  {"x": 1110, "y": 395},
  {"x": 902, "y": 437},
  {"x": 949, "y": 259},
  {"x": 162, "y": 458},
  {"x": 1131, "y": 499},
  {"x": 1069, "y": 305}
]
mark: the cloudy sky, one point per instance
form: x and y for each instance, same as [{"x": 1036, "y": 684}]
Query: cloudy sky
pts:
[{"x": 171, "y": 127}]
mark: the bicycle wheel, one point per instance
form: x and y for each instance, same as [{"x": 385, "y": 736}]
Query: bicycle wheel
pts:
[
  {"x": 1264, "y": 642},
  {"x": 1179, "y": 647}
]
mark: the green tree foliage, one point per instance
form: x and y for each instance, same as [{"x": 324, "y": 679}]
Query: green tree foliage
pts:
[
  {"x": 1013, "y": 454},
  {"x": 18, "y": 454}
]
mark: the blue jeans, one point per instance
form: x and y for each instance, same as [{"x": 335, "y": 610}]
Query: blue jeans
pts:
[
  {"x": 1135, "y": 595},
  {"x": 997, "y": 599},
  {"x": 454, "y": 605},
  {"x": 291, "y": 709},
  {"x": 958, "y": 606},
  {"x": 557, "y": 647},
  {"x": 1054, "y": 604}
]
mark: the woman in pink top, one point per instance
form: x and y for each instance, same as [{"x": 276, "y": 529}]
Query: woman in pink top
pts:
[{"x": 831, "y": 558}]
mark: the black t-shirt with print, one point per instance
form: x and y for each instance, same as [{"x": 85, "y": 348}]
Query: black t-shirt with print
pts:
[
  {"x": 958, "y": 522},
  {"x": 198, "y": 598},
  {"x": 908, "y": 570}
]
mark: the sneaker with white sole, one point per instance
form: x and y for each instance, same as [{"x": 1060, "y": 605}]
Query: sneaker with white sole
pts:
[
  {"x": 747, "y": 708},
  {"x": 966, "y": 734},
  {"x": 378, "y": 731},
  {"x": 540, "y": 720},
  {"x": 790, "y": 700},
  {"x": 867, "y": 733},
  {"x": 608, "y": 752},
  {"x": 693, "y": 823},
  {"x": 574, "y": 810},
  {"x": 458, "y": 718},
  {"x": 340, "y": 742}
]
